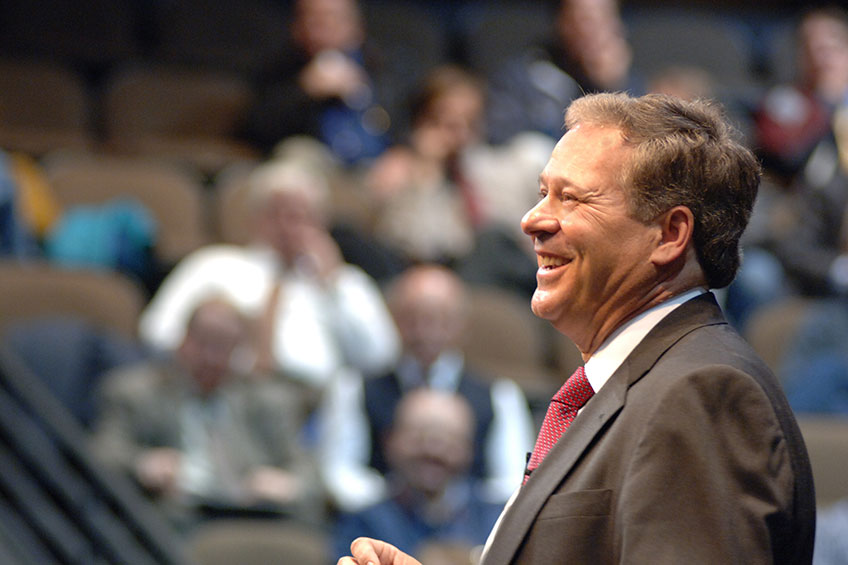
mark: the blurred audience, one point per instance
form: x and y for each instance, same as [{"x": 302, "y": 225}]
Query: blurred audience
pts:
[
  {"x": 200, "y": 436},
  {"x": 814, "y": 365},
  {"x": 430, "y": 497},
  {"x": 793, "y": 118},
  {"x": 796, "y": 241},
  {"x": 427, "y": 206},
  {"x": 589, "y": 53},
  {"x": 429, "y": 304},
  {"x": 416, "y": 447},
  {"x": 331, "y": 87},
  {"x": 507, "y": 178},
  {"x": 316, "y": 313},
  {"x": 448, "y": 197}
]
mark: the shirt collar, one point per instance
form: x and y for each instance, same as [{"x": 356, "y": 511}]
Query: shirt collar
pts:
[
  {"x": 615, "y": 349},
  {"x": 443, "y": 374}
]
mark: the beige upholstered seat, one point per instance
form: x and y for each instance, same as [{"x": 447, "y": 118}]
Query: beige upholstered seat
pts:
[
  {"x": 827, "y": 443},
  {"x": 30, "y": 290},
  {"x": 42, "y": 107},
  {"x": 229, "y": 211},
  {"x": 258, "y": 542},
  {"x": 174, "y": 194},
  {"x": 770, "y": 328},
  {"x": 188, "y": 114},
  {"x": 505, "y": 339}
]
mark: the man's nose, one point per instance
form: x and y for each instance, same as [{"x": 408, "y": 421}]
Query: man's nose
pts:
[{"x": 539, "y": 220}]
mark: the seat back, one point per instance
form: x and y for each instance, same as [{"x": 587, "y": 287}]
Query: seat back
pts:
[
  {"x": 506, "y": 340},
  {"x": 187, "y": 114},
  {"x": 714, "y": 42},
  {"x": 107, "y": 299},
  {"x": 230, "y": 213},
  {"x": 258, "y": 542},
  {"x": 43, "y": 106},
  {"x": 174, "y": 194},
  {"x": 173, "y": 101},
  {"x": 827, "y": 444},
  {"x": 247, "y": 37},
  {"x": 771, "y": 328}
]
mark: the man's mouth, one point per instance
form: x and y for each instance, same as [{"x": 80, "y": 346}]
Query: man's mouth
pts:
[{"x": 550, "y": 261}]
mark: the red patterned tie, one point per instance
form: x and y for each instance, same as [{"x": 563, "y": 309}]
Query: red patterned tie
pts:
[{"x": 561, "y": 412}]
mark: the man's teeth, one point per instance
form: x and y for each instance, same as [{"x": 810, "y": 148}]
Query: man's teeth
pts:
[{"x": 550, "y": 262}]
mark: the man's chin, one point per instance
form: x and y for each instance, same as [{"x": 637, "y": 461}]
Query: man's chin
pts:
[{"x": 543, "y": 305}]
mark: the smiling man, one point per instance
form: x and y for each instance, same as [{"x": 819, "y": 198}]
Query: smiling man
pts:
[{"x": 684, "y": 449}]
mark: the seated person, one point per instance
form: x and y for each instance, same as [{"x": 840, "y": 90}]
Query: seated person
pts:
[
  {"x": 589, "y": 52},
  {"x": 318, "y": 313},
  {"x": 332, "y": 85},
  {"x": 431, "y": 496},
  {"x": 792, "y": 118},
  {"x": 427, "y": 204},
  {"x": 197, "y": 436},
  {"x": 429, "y": 305},
  {"x": 444, "y": 194}
]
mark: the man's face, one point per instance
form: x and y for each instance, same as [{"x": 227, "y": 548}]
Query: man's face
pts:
[
  {"x": 824, "y": 49},
  {"x": 429, "y": 316},
  {"x": 594, "y": 267},
  {"x": 327, "y": 24},
  {"x": 457, "y": 116},
  {"x": 207, "y": 348},
  {"x": 286, "y": 221},
  {"x": 431, "y": 441}
]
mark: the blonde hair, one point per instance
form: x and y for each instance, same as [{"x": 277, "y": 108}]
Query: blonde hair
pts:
[{"x": 280, "y": 176}]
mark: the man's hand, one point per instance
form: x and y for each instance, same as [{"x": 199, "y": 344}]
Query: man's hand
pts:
[
  {"x": 368, "y": 551},
  {"x": 271, "y": 484},
  {"x": 157, "y": 470},
  {"x": 320, "y": 255},
  {"x": 332, "y": 74}
]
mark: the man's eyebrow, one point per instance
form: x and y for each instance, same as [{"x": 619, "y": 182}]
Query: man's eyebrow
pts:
[{"x": 558, "y": 181}]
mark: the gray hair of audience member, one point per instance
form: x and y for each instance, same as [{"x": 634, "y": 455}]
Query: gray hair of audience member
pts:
[{"x": 287, "y": 177}]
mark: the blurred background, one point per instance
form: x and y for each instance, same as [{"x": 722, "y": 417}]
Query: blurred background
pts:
[{"x": 132, "y": 133}]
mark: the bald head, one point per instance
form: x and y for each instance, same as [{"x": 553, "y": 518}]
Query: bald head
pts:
[
  {"x": 214, "y": 331},
  {"x": 430, "y": 307},
  {"x": 431, "y": 441}
]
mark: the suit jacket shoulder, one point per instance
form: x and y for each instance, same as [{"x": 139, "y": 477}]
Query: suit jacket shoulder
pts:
[{"x": 689, "y": 453}]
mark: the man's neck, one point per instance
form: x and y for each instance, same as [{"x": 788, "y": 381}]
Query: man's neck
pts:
[{"x": 610, "y": 322}]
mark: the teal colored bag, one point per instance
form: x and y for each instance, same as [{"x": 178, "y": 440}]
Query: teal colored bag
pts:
[{"x": 119, "y": 235}]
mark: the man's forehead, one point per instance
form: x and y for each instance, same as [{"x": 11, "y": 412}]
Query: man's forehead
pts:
[{"x": 585, "y": 149}]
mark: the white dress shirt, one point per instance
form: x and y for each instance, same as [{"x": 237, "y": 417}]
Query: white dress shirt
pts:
[
  {"x": 615, "y": 349},
  {"x": 318, "y": 329},
  {"x": 345, "y": 445}
]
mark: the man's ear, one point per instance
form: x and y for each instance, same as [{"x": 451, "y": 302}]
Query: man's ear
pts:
[{"x": 677, "y": 226}]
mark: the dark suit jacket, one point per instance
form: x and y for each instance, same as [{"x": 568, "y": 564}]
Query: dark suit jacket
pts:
[
  {"x": 688, "y": 454},
  {"x": 382, "y": 395}
]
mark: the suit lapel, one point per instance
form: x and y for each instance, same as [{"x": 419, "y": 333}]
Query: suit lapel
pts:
[
  {"x": 518, "y": 519},
  {"x": 591, "y": 422}
]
